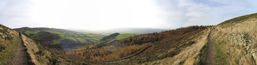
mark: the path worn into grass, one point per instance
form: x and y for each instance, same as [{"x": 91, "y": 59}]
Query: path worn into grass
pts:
[
  {"x": 21, "y": 56},
  {"x": 211, "y": 51}
]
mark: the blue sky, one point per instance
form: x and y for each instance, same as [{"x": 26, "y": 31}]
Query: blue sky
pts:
[
  {"x": 111, "y": 14},
  {"x": 206, "y": 12}
]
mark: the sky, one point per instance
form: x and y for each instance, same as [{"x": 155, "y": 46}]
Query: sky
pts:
[{"x": 99, "y": 15}]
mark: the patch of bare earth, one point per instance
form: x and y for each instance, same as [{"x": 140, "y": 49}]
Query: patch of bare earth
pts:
[{"x": 19, "y": 56}]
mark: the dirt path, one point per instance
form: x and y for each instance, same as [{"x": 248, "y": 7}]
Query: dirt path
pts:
[
  {"x": 19, "y": 57},
  {"x": 22, "y": 57},
  {"x": 210, "y": 52}
]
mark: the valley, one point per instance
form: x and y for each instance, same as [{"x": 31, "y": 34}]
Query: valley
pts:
[{"x": 232, "y": 42}]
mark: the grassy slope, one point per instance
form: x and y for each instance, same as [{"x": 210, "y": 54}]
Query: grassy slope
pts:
[
  {"x": 9, "y": 41},
  {"x": 235, "y": 41},
  {"x": 236, "y": 20},
  {"x": 64, "y": 34},
  {"x": 115, "y": 37},
  {"x": 140, "y": 48},
  {"x": 124, "y": 36}
]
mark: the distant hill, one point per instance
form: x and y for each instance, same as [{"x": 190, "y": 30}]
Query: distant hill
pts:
[
  {"x": 232, "y": 42},
  {"x": 113, "y": 38},
  {"x": 60, "y": 38},
  {"x": 123, "y": 36},
  {"x": 133, "y": 30}
]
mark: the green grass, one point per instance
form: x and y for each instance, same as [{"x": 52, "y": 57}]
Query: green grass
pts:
[
  {"x": 64, "y": 34},
  {"x": 7, "y": 55},
  {"x": 31, "y": 33},
  {"x": 56, "y": 42},
  {"x": 221, "y": 57},
  {"x": 124, "y": 36},
  {"x": 9, "y": 44}
]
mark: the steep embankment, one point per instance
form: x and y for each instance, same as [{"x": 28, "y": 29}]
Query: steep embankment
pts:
[
  {"x": 21, "y": 55},
  {"x": 38, "y": 55},
  {"x": 12, "y": 46},
  {"x": 17, "y": 49},
  {"x": 9, "y": 44}
]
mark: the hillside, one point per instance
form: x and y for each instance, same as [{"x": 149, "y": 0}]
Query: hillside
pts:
[
  {"x": 133, "y": 30},
  {"x": 59, "y": 38},
  {"x": 235, "y": 41},
  {"x": 232, "y": 42},
  {"x": 113, "y": 39},
  {"x": 9, "y": 45},
  {"x": 124, "y": 36}
]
